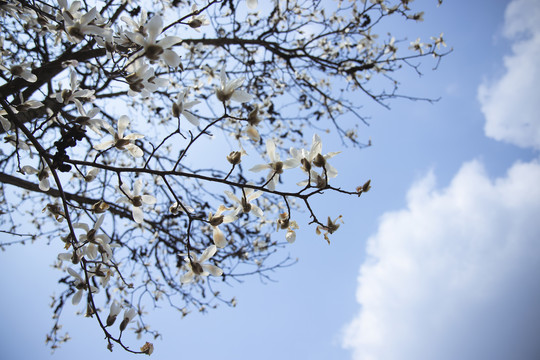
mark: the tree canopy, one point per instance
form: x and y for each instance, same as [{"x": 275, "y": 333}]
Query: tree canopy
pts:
[{"x": 135, "y": 132}]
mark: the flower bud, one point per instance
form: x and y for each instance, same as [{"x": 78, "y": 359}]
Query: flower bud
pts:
[
  {"x": 147, "y": 348},
  {"x": 319, "y": 160},
  {"x": 234, "y": 157}
]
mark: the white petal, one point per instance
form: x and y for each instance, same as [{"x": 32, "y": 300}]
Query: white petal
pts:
[
  {"x": 241, "y": 96},
  {"x": 104, "y": 145},
  {"x": 254, "y": 195},
  {"x": 169, "y": 41},
  {"x": 138, "y": 215},
  {"x": 208, "y": 253},
  {"x": 331, "y": 171},
  {"x": 291, "y": 163},
  {"x": 223, "y": 76},
  {"x": 133, "y": 136},
  {"x": 252, "y": 4},
  {"x": 212, "y": 269},
  {"x": 191, "y": 118},
  {"x": 77, "y": 297},
  {"x": 171, "y": 58},
  {"x": 137, "y": 187},
  {"x": 259, "y": 167},
  {"x": 44, "y": 184},
  {"x": 232, "y": 197},
  {"x": 271, "y": 150},
  {"x": 219, "y": 238},
  {"x": 257, "y": 211},
  {"x": 5, "y": 123},
  {"x": 134, "y": 150},
  {"x": 154, "y": 27},
  {"x": 253, "y": 133},
  {"x": 27, "y": 169},
  {"x": 81, "y": 226},
  {"x": 74, "y": 274},
  {"x": 149, "y": 199},
  {"x": 123, "y": 123},
  {"x": 99, "y": 222},
  {"x": 187, "y": 277},
  {"x": 93, "y": 112},
  {"x": 28, "y": 76}
]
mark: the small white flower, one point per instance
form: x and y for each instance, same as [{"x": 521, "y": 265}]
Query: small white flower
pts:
[
  {"x": 74, "y": 94},
  {"x": 80, "y": 285},
  {"x": 91, "y": 174},
  {"x": 228, "y": 89},
  {"x": 113, "y": 313},
  {"x": 142, "y": 79},
  {"x": 136, "y": 199},
  {"x": 42, "y": 173},
  {"x": 197, "y": 19},
  {"x": 244, "y": 205},
  {"x": 180, "y": 107},
  {"x": 154, "y": 49},
  {"x": 87, "y": 119},
  {"x": 217, "y": 219},
  {"x": 314, "y": 158},
  {"x": 128, "y": 317},
  {"x": 275, "y": 165},
  {"x": 196, "y": 267},
  {"x": 121, "y": 141},
  {"x": 23, "y": 71},
  {"x": 95, "y": 242}
]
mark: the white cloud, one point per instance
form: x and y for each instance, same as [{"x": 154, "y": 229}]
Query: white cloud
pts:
[
  {"x": 456, "y": 274},
  {"x": 511, "y": 104}
]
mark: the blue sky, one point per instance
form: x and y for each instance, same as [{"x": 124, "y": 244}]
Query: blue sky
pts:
[{"x": 440, "y": 260}]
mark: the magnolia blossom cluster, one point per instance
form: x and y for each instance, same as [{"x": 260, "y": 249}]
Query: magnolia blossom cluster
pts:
[
  {"x": 143, "y": 45},
  {"x": 121, "y": 171}
]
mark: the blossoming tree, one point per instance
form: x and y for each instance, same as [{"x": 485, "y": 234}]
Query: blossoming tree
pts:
[{"x": 108, "y": 110}]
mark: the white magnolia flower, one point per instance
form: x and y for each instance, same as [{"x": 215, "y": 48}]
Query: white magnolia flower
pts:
[
  {"x": 94, "y": 241},
  {"x": 196, "y": 267},
  {"x": 80, "y": 285},
  {"x": 23, "y": 71},
  {"x": 136, "y": 199},
  {"x": 91, "y": 174},
  {"x": 86, "y": 119},
  {"x": 128, "y": 317},
  {"x": 244, "y": 205},
  {"x": 121, "y": 141},
  {"x": 113, "y": 313},
  {"x": 42, "y": 173},
  {"x": 217, "y": 219},
  {"x": 418, "y": 46},
  {"x": 275, "y": 165},
  {"x": 228, "y": 89},
  {"x": 285, "y": 223},
  {"x": 142, "y": 79},
  {"x": 74, "y": 94},
  {"x": 180, "y": 107},
  {"x": 154, "y": 49},
  {"x": 77, "y": 25},
  {"x": 314, "y": 158},
  {"x": 197, "y": 20}
]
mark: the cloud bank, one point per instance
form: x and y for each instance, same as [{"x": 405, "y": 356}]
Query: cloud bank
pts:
[
  {"x": 455, "y": 275},
  {"x": 511, "y": 104}
]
